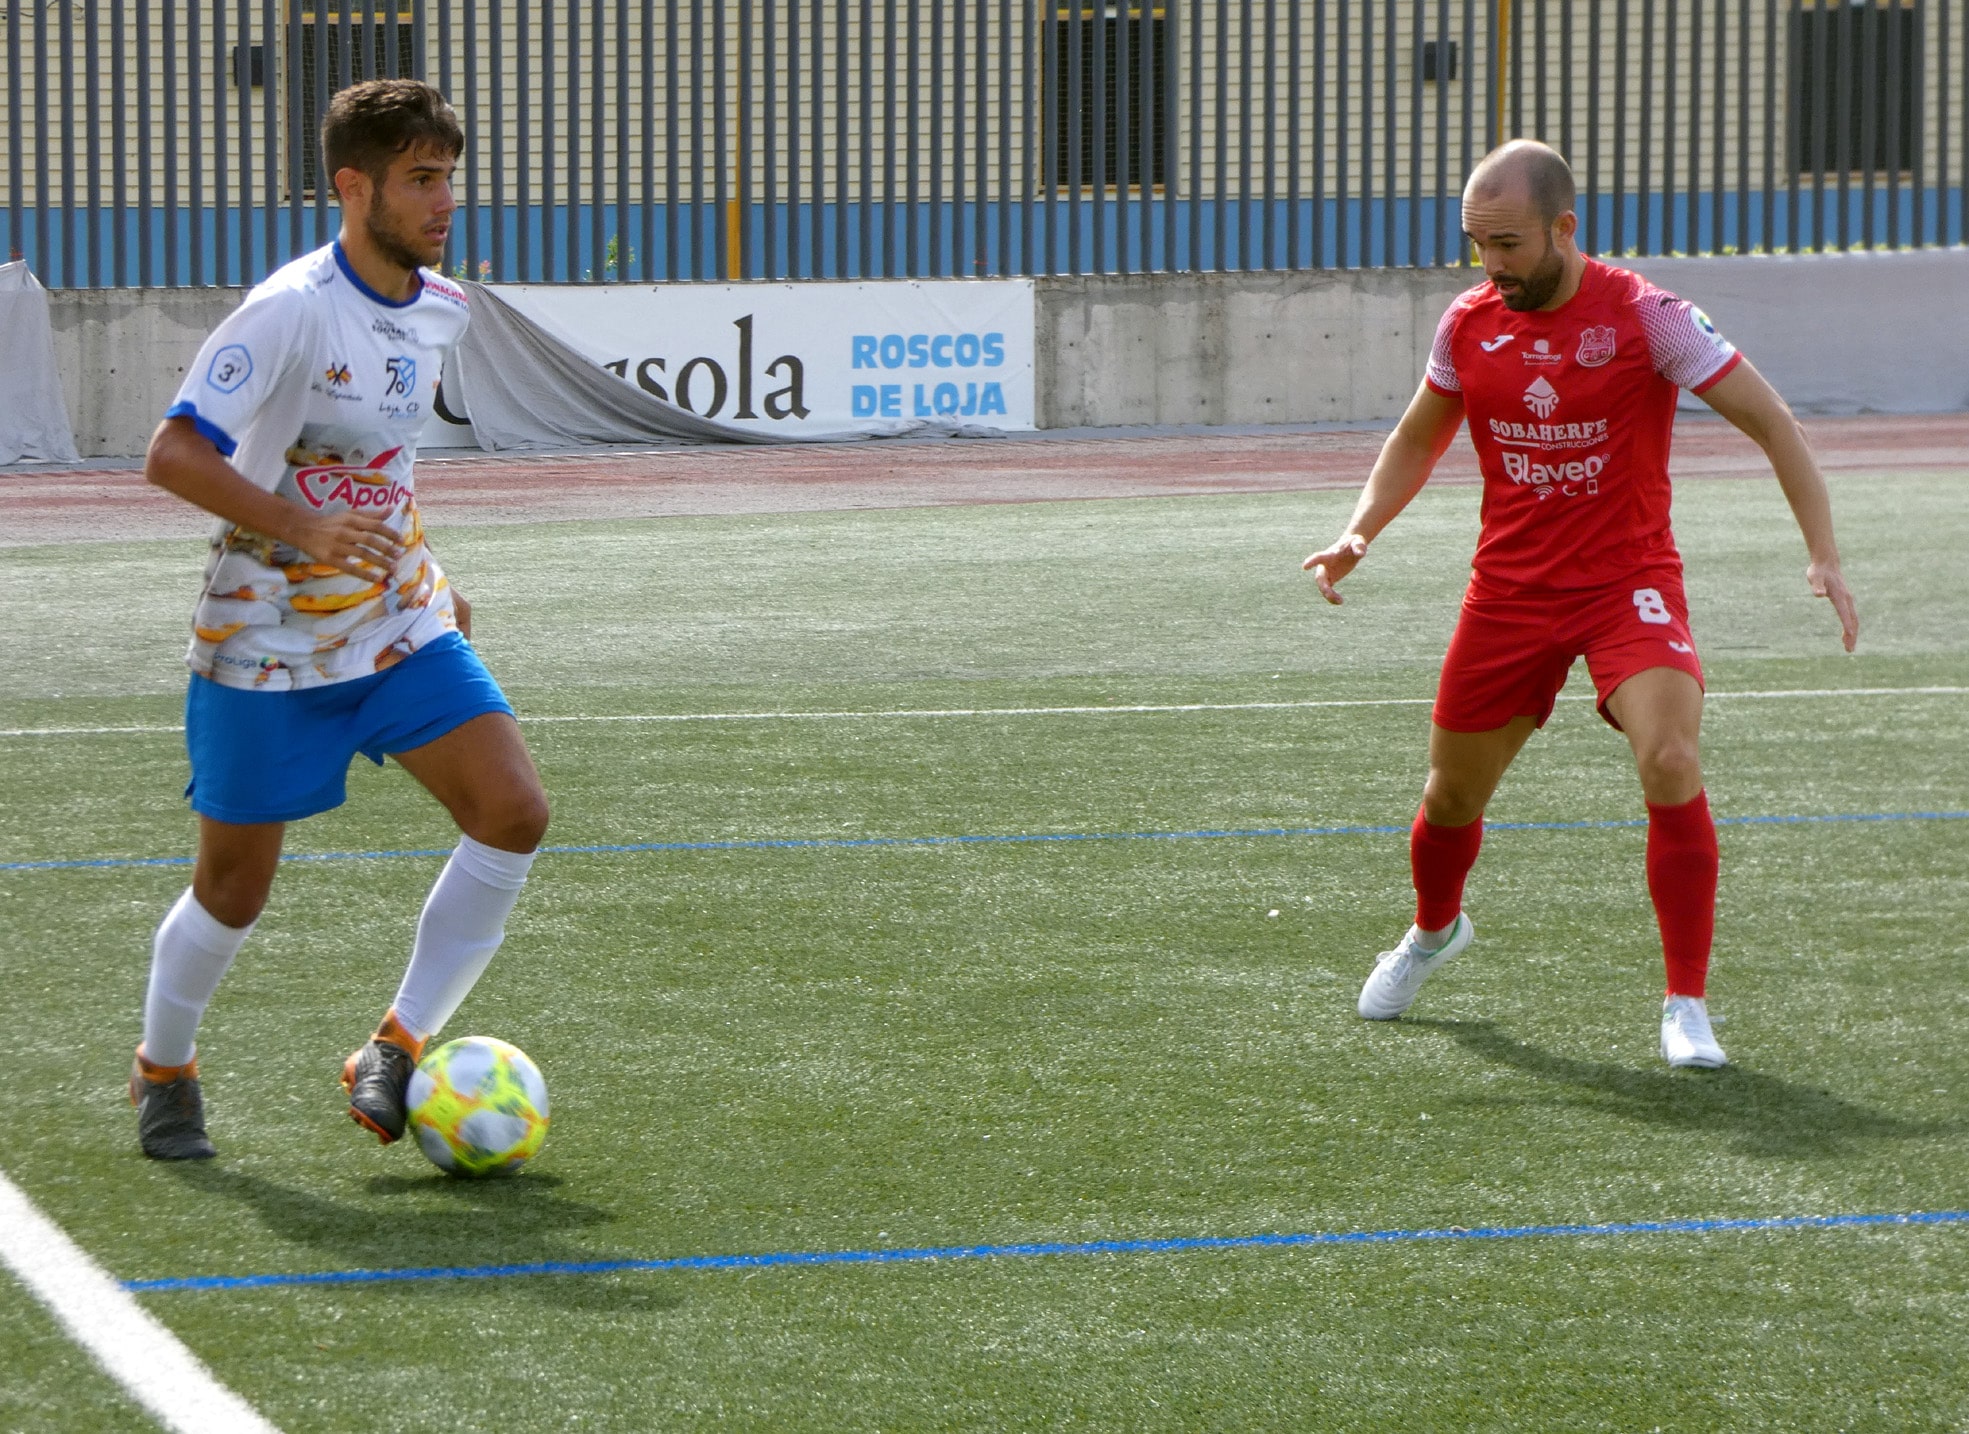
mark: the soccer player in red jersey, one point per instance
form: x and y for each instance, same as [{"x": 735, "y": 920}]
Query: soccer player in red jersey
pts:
[{"x": 1568, "y": 370}]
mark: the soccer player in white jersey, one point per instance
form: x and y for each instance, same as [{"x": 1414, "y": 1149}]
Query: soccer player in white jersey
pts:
[{"x": 325, "y": 627}]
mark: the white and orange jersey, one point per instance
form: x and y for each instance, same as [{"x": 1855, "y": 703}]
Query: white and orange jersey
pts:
[{"x": 316, "y": 389}]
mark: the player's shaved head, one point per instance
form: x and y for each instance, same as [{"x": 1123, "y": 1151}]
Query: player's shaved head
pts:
[
  {"x": 1525, "y": 168},
  {"x": 1518, "y": 213}
]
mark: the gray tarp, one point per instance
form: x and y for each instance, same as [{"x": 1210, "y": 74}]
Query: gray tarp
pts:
[
  {"x": 33, "y": 417},
  {"x": 523, "y": 387}
]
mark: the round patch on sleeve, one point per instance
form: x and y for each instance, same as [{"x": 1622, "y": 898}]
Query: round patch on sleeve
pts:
[{"x": 231, "y": 366}]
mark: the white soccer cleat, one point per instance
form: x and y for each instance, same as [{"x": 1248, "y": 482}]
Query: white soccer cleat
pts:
[
  {"x": 1399, "y": 974},
  {"x": 1686, "y": 1039}
]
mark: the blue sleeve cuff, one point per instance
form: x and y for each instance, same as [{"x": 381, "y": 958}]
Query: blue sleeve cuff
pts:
[{"x": 220, "y": 439}]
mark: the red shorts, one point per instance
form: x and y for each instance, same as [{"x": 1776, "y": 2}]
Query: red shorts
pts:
[{"x": 1510, "y": 655}]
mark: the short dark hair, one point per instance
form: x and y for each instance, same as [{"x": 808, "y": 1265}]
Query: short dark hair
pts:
[
  {"x": 1547, "y": 177},
  {"x": 371, "y": 123}
]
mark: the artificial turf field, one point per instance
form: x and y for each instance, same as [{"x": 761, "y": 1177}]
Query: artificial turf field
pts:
[{"x": 822, "y": 1046}]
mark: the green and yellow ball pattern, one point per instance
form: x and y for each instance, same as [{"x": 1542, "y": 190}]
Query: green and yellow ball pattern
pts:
[{"x": 478, "y": 1106}]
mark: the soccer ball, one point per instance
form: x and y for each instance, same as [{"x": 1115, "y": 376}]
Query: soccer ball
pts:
[{"x": 478, "y": 1106}]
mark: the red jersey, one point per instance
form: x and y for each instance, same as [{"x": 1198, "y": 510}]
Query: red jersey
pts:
[{"x": 1571, "y": 413}]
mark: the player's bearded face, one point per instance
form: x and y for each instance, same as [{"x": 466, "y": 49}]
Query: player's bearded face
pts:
[
  {"x": 410, "y": 216},
  {"x": 1534, "y": 288}
]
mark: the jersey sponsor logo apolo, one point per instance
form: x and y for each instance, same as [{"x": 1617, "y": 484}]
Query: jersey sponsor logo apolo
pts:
[{"x": 360, "y": 487}]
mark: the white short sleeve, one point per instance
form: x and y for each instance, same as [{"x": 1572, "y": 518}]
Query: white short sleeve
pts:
[
  {"x": 242, "y": 364},
  {"x": 1442, "y": 366},
  {"x": 1687, "y": 350}
]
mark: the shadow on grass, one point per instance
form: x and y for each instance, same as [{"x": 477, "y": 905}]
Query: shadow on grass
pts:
[
  {"x": 1764, "y": 1115},
  {"x": 439, "y": 1222}
]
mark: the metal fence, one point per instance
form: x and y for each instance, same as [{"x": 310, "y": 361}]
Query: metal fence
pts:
[{"x": 149, "y": 142}]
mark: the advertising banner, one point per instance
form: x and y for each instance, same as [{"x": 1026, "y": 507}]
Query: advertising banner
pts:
[{"x": 877, "y": 358}]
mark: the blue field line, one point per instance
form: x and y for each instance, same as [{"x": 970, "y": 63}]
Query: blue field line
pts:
[
  {"x": 998, "y": 839},
  {"x": 928, "y": 1254}
]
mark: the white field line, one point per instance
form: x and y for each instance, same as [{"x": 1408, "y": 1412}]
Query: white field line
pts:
[
  {"x": 105, "y": 1319},
  {"x": 1801, "y": 694}
]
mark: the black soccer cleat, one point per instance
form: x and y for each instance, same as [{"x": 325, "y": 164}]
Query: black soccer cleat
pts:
[
  {"x": 376, "y": 1078},
  {"x": 170, "y": 1116}
]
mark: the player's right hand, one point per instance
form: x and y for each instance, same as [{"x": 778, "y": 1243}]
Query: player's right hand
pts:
[
  {"x": 1330, "y": 564},
  {"x": 355, "y": 543}
]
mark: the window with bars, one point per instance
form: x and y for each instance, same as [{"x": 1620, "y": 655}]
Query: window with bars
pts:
[
  {"x": 1855, "y": 87},
  {"x": 1121, "y": 64},
  {"x": 315, "y": 70}
]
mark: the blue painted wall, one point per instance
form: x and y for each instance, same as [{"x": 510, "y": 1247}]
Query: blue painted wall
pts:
[{"x": 943, "y": 240}]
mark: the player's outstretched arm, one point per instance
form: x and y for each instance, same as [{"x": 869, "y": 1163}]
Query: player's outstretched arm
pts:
[
  {"x": 1405, "y": 463},
  {"x": 1747, "y": 399},
  {"x": 183, "y": 461}
]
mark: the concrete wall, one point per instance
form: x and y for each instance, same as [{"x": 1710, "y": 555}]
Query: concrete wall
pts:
[
  {"x": 1837, "y": 333},
  {"x": 122, "y": 354},
  {"x": 1841, "y": 333},
  {"x": 1236, "y": 348}
]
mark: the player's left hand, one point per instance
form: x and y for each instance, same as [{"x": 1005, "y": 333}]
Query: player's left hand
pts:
[
  {"x": 462, "y": 611},
  {"x": 1828, "y": 582}
]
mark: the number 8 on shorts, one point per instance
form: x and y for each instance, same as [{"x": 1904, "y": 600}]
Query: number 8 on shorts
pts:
[{"x": 1650, "y": 608}]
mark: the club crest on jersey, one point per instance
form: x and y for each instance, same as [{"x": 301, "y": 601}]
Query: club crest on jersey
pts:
[
  {"x": 360, "y": 486},
  {"x": 1541, "y": 398},
  {"x": 403, "y": 374},
  {"x": 1596, "y": 346}
]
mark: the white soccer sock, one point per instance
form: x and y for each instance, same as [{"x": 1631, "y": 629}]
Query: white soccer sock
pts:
[
  {"x": 188, "y": 956},
  {"x": 463, "y": 923},
  {"x": 1434, "y": 940}
]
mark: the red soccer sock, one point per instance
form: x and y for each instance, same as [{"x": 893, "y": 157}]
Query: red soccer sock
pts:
[
  {"x": 1441, "y": 858},
  {"x": 1682, "y": 862}
]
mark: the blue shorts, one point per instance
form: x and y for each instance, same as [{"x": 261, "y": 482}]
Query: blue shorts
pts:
[{"x": 282, "y": 756}]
